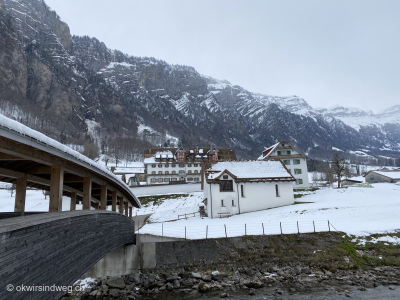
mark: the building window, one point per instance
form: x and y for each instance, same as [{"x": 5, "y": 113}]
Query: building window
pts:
[
  {"x": 182, "y": 179},
  {"x": 190, "y": 172},
  {"x": 196, "y": 179},
  {"x": 160, "y": 166},
  {"x": 288, "y": 152},
  {"x": 299, "y": 181},
  {"x": 225, "y": 176},
  {"x": 153, "y": 166},
  {"x": 166, "y": 179},
  {"x": 242, "y": 190},
  {"x": 152, "y": 180},
  {"x": 297, "y": 171},
  {"x": 159, "y": 172},
  {"x": 160, "y": 180},
  {"x": 277, "y": 190},
  {"x": 296, "y": 161},
  {"x": 173, "y": 179},
  {"x": 196, "y": 171},
  {"x": 181, "y": 165},
  {"x": 167, "y": 166},
  {"x": 233, "y": 202},
  {"x": 190, "y": 179},
  {"x": 226, "y": 186},
  {"x": 173, "y": 172},
  {"x": 286, "y": 161},
  {"x": 153, "y": 172},
  {"x": 279, "y": 152},
  {"x": 166, "y": 172},
  {"x": 173, "y": 166},
  {"x": 189, "y": 165},
  {"x": 222, "y": 202},
  {"x": 196, "y": 165}
]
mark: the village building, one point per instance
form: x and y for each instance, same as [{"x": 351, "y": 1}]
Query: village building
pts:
[
  {"x": 376, "y": 176},
  {"x": 349, "y": 181},
  {"x": 235, "y": 187},
  {"x": 293, "y": 158},
  {"x": 132, "y": 175},
  {"x": 181, "y": 165}
]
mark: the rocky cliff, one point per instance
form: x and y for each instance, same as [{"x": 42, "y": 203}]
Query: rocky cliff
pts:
[{"x": 66, "y": 85}]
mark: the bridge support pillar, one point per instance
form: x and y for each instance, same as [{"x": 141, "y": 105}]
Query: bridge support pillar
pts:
[
  {"x": 103, "y": 197},
  {"x": 87, "y": 192},
  {"x": 20, "y": 195},
  {"x": 96, "y": 205},
  {"x": 126, "y": 208},
  {"x": 114, "y": 201},
  {"x": 130, "y": 211},
  {"x": 121, "y": 205},
  {"x": 73, "y": 201},
  {"x": 56, "y": 188}
]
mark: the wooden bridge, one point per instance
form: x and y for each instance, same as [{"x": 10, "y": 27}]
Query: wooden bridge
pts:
[{"x": 57, "y": 247}]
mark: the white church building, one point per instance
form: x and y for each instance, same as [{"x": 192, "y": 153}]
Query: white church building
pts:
[{"x": 235, "y": 187}]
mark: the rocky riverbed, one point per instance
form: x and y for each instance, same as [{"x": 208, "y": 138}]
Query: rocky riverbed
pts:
[{"x": 244, "y": 283}]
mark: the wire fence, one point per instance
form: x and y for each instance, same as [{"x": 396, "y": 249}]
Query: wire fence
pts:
[{"x": 168, "y": 229}]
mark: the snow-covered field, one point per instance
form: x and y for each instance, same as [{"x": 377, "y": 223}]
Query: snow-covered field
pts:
[
  {"x": 171, "y": 208},
  {"x": 355, "y": 210}
]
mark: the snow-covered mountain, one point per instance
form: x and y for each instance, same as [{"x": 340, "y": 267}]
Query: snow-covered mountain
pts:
[{"x": 56, "y": 82}]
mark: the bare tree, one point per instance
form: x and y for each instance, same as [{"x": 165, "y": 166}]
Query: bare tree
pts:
[{"x": 339, "y": 167}]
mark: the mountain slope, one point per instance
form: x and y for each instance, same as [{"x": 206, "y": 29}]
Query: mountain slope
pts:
[{"x": 58, "y": 84}]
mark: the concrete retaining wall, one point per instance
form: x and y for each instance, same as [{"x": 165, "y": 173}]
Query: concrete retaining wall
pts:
[{"x": 150, "y": 190}]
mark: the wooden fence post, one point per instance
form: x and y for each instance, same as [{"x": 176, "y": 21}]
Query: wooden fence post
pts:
[
  {"x": 313, "y": 225},
  {"x": 280, "y": 223},
  {"x": 226, "y": 235},
  {"x": 329, "y": 226},
  {"x": 207, "y": 232},
  {"x": 298, "y": 230}
]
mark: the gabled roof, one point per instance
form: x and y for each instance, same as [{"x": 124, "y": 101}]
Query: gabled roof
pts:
[
  {"x": 392, "y": 174},
  {"x": 250, "y": 170},
  {"x": 268, "y": 151}
]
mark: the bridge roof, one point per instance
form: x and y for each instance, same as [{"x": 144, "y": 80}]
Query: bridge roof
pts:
[{"x": 20, "y": 142}]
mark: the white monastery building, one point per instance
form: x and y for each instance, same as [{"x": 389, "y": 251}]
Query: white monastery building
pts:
[
  {"x": 235, "y": 187},
  {"x": 293, "y": 158},
  {"x": 181, "y": 165}
]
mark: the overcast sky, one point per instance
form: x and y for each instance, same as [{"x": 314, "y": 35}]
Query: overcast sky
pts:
[{"x": 342, "y": 52}]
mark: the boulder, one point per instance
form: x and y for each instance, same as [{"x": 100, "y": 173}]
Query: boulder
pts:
[{"x": 116, "y": 282}]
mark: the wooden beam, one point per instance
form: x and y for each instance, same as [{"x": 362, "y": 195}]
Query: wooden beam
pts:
[
  {"x": 56, "y": 188},
  {"x": 114, "y": 200},
  {"x": 73, "y": 201},
  {"x": 39, "y": 170},
  {"x": 130, "y": 211},
  {"x": 20, "y": 194},
  {"x": 73, "y": 178},
  {"x": 87, "y": 192},
  {"x": 126, "y": 208},
  {"x": 103, "y": 197},
  {"x": 4, "y": 156},
  {"x": 121, "y": 205}
]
